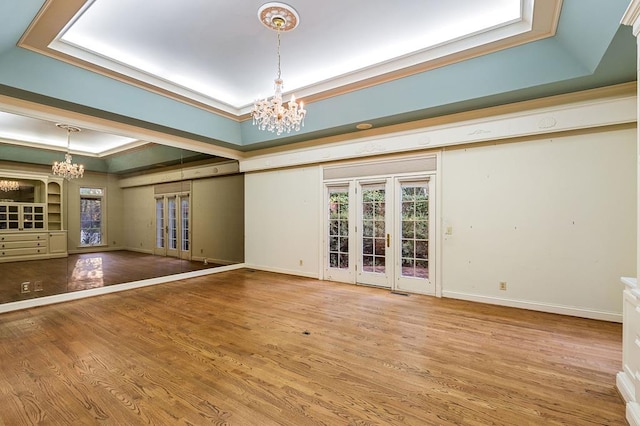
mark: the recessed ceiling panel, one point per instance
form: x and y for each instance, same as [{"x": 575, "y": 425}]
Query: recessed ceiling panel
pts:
[
  {"x": 26, "y": 131},
  {"x": 218, "y": 52}
]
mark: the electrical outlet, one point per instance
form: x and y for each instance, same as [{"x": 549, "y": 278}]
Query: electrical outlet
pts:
[
  {"x": 25, "y": 287},
  {"x": 37, "y": 286},
  {"x": 503, "y": 285},
  {"x": 300, "y": 262}
]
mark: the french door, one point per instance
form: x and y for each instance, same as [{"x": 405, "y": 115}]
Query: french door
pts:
[
  {"x": 381, "y": 232},
  {"x": 172, "y": 227},
  {"x": 373, "y": 233}
]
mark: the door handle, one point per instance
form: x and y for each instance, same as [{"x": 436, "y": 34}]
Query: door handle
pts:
[{"x": 388, "y": 240}]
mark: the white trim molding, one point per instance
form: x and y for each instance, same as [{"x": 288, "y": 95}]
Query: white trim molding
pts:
[
  {"x": 594, "y": 113},
  {"x": 305, "y": 274},
  {"x": 82, "y": 294},
  {"x": 632, "y": 17},
  {"x": 536, "y": 306}
]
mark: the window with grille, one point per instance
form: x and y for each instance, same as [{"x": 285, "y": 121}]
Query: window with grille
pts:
[{"x": 91, "y": 216}]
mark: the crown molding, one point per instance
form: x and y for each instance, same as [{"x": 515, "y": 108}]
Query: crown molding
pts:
[
  {"x": 632, "y": 16},
  {"x": 598, "y": 108},
  {"x": 540, "y": 21}
]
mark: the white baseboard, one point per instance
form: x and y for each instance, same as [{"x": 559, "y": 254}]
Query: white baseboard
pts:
[
  {"x": 625, "y": 387},
  {"x": 283, "y": 271},
  {"x": 537, "y": 306},
  {"x": 137, "y": 250},
  {"x": 211, "y": 260},
  {"x": 82, "y": 250},
  {"x": 81, "y": 294},
  {"x": 633, "y": 414}
]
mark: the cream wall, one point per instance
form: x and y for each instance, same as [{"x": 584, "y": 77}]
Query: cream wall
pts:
[
  {"x": 554, "y": 218},
  {"x": 282, "y": 220},
  {"x": 139, "y": 227},
  {"x": 218, "y": 219}
]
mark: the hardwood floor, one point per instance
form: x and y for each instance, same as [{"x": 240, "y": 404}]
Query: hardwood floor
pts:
[
  {"x": 257, "y": 348},
  {"x": 87, "y": 270}
]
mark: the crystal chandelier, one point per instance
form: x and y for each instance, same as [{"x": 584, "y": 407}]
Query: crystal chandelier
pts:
[
  {"x": 273, "y": 114},
  {"x": 66, "y": 169},
  {"x": 9, "y": 185}
]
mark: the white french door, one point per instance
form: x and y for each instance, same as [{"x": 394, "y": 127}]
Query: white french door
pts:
[
  {"x": 415, "y": 229},
  {"x": 172, "y": 228},
  {"x": 381, "y": 232},
  {"x": 374, "y": 265}
]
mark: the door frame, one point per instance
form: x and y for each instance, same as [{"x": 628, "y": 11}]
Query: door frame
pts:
[
  {"x": 363, "y": 277},
  {"x": 165, "y": 250},
  {"x": 435, "y": 264}
]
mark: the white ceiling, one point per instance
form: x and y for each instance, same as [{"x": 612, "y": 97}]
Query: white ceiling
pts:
[
  {"x": 27, "y": 131},
  {"x": 219, "y": 54}
]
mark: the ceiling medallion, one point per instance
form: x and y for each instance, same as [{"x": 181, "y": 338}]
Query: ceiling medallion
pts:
[
  {"x": 66, "y": 169},
  {"x": 278, "y": 16},
  {"x": 272, "y": 114}
]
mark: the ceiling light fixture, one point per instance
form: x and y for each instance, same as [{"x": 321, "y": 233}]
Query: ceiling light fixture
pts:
[
  {"x": 272, "y": 114},
  {"x": 9, "y": 185},
  {"x": 66, "y": 169}
]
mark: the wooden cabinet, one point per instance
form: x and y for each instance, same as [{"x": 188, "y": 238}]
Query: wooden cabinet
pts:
[
  {"x": 22, "y": 216},
  {"x": 23, "y": 244},
  {"x": 628, "y": 380},
  {"x": 31, "y": 219},
  {"x": 58, "y": 243}
]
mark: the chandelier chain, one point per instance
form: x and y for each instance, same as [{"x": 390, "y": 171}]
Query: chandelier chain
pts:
[{"x": 279, "y": 70}]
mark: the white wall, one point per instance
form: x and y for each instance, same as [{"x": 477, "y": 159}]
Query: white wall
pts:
[
  {"x": 553, "y": 217},
  {"x": 282, "y": 220}
]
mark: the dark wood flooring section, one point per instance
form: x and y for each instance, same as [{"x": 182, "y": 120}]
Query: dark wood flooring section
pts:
[
  {"x": 256, "y": 348},
  {"x": 85, "y": 271}
]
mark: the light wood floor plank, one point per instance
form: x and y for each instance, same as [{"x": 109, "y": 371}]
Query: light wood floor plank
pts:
[{"x": 257, "y": 348}]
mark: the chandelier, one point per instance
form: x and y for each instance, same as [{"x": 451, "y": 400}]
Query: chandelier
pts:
[
  {"x": 273, "y": 114},
  {"x": 9, "y": 185},
  {"x": 66, "y": 169}
]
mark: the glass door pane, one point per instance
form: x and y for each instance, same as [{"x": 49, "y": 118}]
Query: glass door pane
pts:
[
  {"x": 184, "y": 227},
  {"x": 338, "y": 230},
  {"x": 373, "y": 254},
  {"x": 160, "y": 226},
  {"x": 172, "y": 223},
  {"x": 415, "y": 230},
  {"x": 339, "y": 248}
]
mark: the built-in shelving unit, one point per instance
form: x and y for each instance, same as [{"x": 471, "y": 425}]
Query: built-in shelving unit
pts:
[
  {"x": 54, "y": 206},
  {"x": 32, "y": 218}
]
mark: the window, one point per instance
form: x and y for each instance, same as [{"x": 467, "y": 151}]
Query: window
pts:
[{"x": 91, "y": 214}]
